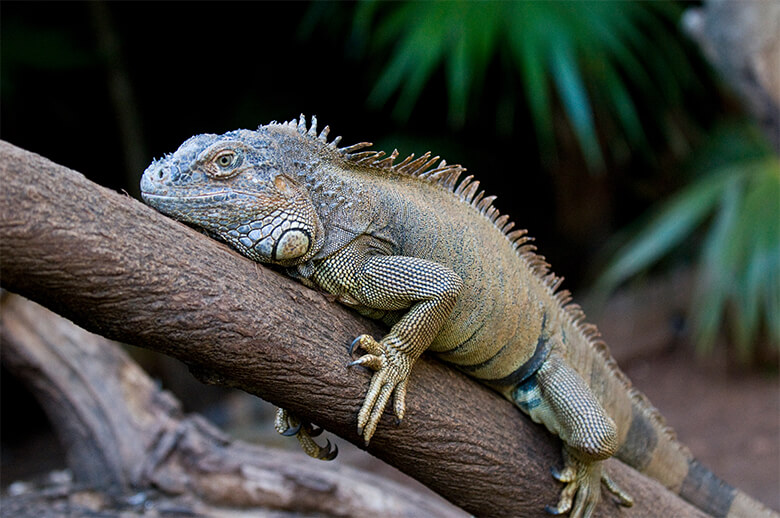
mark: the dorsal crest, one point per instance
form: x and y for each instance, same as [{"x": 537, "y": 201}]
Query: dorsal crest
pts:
[
  {"x": 436, "y": 171},
  {"x": 428, "y": 167}
]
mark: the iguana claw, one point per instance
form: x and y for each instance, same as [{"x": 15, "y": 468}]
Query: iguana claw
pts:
[
  {"x": 289, "y": 425},
  {"x": 554, "y": 510},
  {"x": 368, "y": 344},
  {"x": 368, "y": 360},
  {"x": 289, "y": 432},
  {"x": 391, "y": 373},
  {"x": 567, "y": 475},
  {"x": 583, "y": 487},
  {"x": 327, "y": 453},
  {"x": 624, "y": 498},
  {"x": 354, "y": 344}
]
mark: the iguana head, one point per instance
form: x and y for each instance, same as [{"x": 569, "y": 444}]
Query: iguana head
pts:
[{"x": 233, "y": 187}]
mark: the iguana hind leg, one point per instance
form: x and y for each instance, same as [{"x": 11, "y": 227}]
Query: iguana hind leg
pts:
[{"x": 559, "y": 398}]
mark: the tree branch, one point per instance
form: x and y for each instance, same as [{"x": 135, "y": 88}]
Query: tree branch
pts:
[
  {"x": 124, "y": 435},
  {"x": 116, "y": 267}
]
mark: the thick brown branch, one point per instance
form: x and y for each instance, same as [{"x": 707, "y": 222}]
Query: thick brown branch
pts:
[
  {"x": 125, "y": 435},
  {"x": 117, "y": 268}
]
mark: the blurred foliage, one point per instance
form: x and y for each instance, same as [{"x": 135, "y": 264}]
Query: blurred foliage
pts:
[
  {"x": 732, "y": 211},
  {"x": 616, "y": 72},
  {"x": 599, "y": 62}
]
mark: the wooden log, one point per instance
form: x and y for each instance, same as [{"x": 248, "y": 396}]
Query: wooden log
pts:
[{"x": 124, "y": 435}]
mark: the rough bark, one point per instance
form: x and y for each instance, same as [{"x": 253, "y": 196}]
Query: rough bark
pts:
[
  {"x": 116, "y": 267},
  {"x": 123, "y": 435}
]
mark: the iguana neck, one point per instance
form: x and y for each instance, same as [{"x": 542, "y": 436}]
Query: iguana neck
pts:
[{"x": 318, "y": 167}]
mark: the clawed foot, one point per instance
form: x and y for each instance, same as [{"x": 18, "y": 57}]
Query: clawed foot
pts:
[
  {"x": 289, "y": 425},
  {"x": 391, "y": 374},
  {"x": 583, "y": 488}
]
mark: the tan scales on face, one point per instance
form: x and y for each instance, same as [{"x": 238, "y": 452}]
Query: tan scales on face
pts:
[{"x": 232, "y": 190}]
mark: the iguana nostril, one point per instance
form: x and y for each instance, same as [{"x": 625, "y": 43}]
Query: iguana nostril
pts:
[{"x": 161, "y": 173}]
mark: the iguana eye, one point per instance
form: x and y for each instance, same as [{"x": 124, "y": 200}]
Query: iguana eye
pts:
[
  {"x": 222, "y": 160},
  {"x": 225, "y": 159}
]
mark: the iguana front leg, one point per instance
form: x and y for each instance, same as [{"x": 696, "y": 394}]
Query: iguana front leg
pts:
[{"x": 392, "y": 283}]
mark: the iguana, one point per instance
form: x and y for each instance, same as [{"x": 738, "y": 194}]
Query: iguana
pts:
[{"x": 408, "y": 243}]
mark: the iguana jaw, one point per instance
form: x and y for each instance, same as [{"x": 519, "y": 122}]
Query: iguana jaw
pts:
[
  {"x": 211, "y": 197},
  {"x": 154, "y": 199},
  {"x": 287, "y": 235}
]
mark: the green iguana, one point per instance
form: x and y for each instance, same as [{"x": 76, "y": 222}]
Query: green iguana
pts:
[{"x": 407, "y": 243}]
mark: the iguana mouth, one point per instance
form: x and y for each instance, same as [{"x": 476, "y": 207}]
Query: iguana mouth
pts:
[
  {"x": 216, "y": 196},
  {"x": 185, "y": 197}
]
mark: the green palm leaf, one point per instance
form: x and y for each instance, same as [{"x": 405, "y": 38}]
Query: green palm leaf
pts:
[
  {"x": 737, "y": 204},
  {"x": 566, "y": 54}
]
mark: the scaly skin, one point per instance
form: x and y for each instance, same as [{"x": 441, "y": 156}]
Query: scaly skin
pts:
[{"x": 409, "y": 244}]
